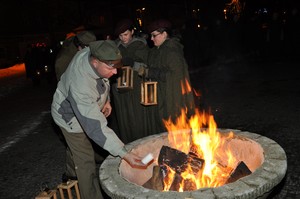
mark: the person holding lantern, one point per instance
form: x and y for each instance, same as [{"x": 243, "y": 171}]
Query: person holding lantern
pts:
[
  {"x": 166, "y": 65},
  {"x": 129, "y": 112}
]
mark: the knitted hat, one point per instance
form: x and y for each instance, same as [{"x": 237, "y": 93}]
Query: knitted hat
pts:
[
  {"x": 107, "y": 52},
  {"x": 122, "y": 26},
  {"x": 161, "y": 23}
]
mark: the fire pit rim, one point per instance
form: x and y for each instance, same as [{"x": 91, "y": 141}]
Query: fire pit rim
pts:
[{"x": 257, "y": 185}]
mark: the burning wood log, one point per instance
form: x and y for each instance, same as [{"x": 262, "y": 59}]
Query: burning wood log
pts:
[
  {"x": 173, "y": 158},
  {"x": 172, "y": 163},
  {"x": 156, "y": 181},
  {"x": 195, "y": 162},
  {"x": 175, "y": 186},
  {"x": 189, "y": 185},
  {"x": 178, "y": 160},
  {"x": 240, "y": 171}
]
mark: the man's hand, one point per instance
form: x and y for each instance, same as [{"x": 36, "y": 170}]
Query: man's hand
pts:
[
  {"x": 134, "y": 160},
  {"x": 106, "y": 109}
]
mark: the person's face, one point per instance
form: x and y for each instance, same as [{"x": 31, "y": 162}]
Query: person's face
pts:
[
  {"x": 126, "y": 36},
  {"x": 158, "y": 38},
  {"x": 103, "y": 69}
]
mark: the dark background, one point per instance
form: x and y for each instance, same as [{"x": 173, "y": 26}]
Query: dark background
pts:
[{"x": 267, "y": 28}]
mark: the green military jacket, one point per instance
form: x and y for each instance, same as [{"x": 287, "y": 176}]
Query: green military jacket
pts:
[
  {"x": 168, "y": 66},
  {"x": 130, "y": 113}
]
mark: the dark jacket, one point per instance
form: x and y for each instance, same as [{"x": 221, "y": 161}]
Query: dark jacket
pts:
[
  {"x": 168, "y": 66},
  {"x": 130, "y": 113},
  {"x": 64, "y": 57}
]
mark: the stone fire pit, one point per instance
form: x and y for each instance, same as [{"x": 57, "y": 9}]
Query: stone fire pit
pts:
[{"x": 263, "y": 156}]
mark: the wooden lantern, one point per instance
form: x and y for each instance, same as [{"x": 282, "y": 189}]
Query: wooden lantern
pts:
[
  {"x": 125, "y": 81},
  {"x": 149, "y": 93},
  {"x": 51, "y": 194}
]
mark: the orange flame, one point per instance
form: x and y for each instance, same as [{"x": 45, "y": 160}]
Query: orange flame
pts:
[
  {"x": 185, "y": 87},
  {"x": 200, "y": 132},
  {"x": 197, "y": 93}
]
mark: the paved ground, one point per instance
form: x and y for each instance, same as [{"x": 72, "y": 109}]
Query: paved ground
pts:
[{"x": 263, "y": 98}]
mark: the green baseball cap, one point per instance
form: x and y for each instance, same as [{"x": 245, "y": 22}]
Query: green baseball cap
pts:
[{"x": 106, "y": 51}]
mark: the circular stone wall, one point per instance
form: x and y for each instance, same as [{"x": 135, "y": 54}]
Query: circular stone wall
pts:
[{"x": 264, "y": 157}]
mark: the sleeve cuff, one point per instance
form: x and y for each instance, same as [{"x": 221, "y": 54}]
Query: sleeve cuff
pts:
[{"x": 123, "y": 152}]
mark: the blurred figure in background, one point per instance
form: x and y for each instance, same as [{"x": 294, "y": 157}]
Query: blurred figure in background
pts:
[
  {"x": 39, "y": 63},
  {"x": 70, "y": 47}
]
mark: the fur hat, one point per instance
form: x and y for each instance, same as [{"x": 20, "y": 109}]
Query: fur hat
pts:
[{"x": 107, "y": 52}]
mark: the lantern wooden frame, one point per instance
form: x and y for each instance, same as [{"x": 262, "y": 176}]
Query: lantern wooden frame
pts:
[
  {"x": 149, "y": 93},
  {"x": 125, "y": 81}
]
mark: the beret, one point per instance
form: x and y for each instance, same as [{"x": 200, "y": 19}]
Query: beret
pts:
[
  {"x": 122, "y": 26},
  {"x": 160, "y": 23}
]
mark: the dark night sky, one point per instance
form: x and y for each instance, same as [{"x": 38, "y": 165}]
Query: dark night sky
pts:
[
  {"x": 44, "y": 16},
  {"x": 17, "y": 17}
]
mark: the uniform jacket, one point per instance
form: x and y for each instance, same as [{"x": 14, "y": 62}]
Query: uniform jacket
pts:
[
  {"x": 64, "y": 57},
  {"x": 136, "y": 49},
  {"x": 130, "y": 113},
  {"x": 168, "y": 66},
  {"x": 77, "y": 102}
]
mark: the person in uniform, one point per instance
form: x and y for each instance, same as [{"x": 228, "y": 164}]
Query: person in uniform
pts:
[
  {"x": 166, "y": 65},
  {"x": 70, "y": 47},
  {"x": 129, "y": 112}
]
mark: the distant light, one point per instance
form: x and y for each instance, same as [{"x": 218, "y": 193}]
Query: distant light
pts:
[
  {"x": 140, "y": 9},
  {"x": 265, "y": 10}
]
